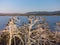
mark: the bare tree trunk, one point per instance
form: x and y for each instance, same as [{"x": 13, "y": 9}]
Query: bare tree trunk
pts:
[
  {"x": 29, "y": 43},
  {"x": 10, "y": 38},
  {"x": 38, "y": 41},
  {"x": 14, "y": 41},
  {"x": 44, "y": 42}
]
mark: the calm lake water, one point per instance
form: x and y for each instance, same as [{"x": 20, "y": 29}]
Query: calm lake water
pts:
[{"x": 50, "y": 19}]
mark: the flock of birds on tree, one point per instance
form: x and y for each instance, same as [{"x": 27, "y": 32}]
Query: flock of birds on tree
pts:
[{"x": 35, "y": 32}]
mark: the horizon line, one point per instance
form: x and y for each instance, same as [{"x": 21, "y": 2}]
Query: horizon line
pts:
[{"x": 28, "y": 11}]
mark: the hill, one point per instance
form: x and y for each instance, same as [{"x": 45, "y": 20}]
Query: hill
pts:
[{"x": 40, "y": 13}]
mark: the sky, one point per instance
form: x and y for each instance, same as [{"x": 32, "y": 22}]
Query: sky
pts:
[{"x": 23, "y": 6}]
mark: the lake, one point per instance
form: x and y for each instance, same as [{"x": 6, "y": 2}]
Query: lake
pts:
[{"x": 50, "y": 19}]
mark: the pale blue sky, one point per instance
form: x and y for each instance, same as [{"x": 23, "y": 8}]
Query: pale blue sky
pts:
[{"x": 22, "y": 6}]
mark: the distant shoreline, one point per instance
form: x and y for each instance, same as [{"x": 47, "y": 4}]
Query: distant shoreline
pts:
[
  {"x": 29, "y": 14},
  {"x": 34, "y": 13}
]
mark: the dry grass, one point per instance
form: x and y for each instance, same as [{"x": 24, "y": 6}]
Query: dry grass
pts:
[{"x": 26, "y": 35}]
